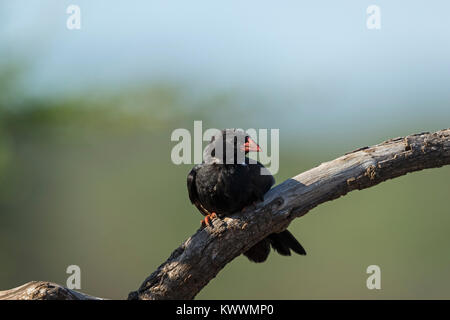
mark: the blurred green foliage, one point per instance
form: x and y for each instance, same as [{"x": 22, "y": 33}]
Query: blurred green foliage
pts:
[{"x": 88, "y": 180}]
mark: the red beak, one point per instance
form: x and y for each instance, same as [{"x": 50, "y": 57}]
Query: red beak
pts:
[{"x": 251, "y": 146}]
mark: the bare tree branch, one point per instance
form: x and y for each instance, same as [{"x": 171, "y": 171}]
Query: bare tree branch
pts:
[
  {"x": 198, "y": 260},
  {"x": 42, "y": 290}
]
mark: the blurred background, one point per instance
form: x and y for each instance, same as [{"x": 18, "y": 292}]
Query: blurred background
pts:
[{"x": 86, "y": 117}]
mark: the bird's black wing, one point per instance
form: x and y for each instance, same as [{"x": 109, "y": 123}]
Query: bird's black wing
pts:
[
  {"x": 192, "y": 190},
  {"x": 261, "y": 180}
]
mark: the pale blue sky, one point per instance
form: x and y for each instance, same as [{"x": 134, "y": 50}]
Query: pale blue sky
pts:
[{"x": 313, "y": 57}]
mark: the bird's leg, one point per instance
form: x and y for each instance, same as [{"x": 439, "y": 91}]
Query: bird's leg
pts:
[{"x": 208, "y": 219}]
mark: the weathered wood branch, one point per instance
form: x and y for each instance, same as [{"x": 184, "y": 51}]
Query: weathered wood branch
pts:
[
  {"x": 198, "y": 260},
  {"x": 43, "y": 290}
]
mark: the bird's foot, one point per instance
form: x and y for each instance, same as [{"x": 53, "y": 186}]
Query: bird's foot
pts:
[{"x": 208, "y": 219}]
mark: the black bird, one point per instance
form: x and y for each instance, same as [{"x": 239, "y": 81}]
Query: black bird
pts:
[{"x": 227, "y": 181}]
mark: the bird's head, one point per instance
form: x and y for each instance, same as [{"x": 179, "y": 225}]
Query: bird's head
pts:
[{"x": 230, "y": 146}]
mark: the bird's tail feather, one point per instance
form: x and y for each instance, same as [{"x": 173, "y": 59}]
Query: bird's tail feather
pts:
[
  {"x": 282, "y": 243},
  {"x": 259, "y": 252}
]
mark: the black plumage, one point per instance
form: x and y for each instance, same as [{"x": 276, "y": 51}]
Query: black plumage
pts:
[{"x": 227, "y": 181}]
